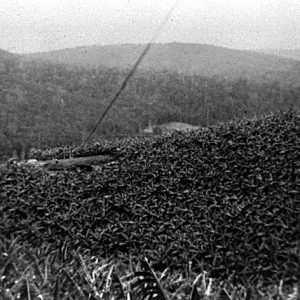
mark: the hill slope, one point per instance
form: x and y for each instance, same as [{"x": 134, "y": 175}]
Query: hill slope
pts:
[
  {"x": 286, "y": 53},
  {"x": 6, "y": 54},
  {"x": 7, "y": 60},
  {"x": 187, "y": 58},
  {"x": 50, "y": 104},
  {"x": 225, "y": 198}
]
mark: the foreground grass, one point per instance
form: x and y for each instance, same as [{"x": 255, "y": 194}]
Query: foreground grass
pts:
[{"x": 38, "y": 275}]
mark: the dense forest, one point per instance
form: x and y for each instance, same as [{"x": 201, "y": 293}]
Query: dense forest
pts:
[{"x": 49, "y": 104}]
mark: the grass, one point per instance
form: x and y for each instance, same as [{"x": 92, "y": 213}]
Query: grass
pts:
[
  {"x": 27, "y": 274},
  {"x": 229, "y": 195}
]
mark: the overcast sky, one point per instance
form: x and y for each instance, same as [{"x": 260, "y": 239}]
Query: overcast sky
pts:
[{"x": 43, "y": 25}]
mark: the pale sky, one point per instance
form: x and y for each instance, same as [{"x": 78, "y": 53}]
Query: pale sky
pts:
[{"x": 43, "y": 25}]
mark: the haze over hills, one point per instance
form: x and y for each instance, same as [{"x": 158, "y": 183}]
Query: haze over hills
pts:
[
  {"x": 187, "y": 58},
  {"x": 286, "y": 53}
]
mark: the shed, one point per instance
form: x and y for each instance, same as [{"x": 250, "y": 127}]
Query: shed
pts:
[{"x": 169, "y": 128}]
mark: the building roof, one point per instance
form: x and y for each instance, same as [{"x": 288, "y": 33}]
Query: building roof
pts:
[
  {"x": 170, "y": 127},
  {"x": 178, "y": 126}
]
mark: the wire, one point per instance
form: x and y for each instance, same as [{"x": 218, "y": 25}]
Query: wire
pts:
[{"x": 131, "y": 73}]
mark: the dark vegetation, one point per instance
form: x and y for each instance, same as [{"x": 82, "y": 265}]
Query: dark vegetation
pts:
[
  {"x": 26, "y": 274},
  {"x": 47, "y": 105},
  {"x": 225, "y": 198}
]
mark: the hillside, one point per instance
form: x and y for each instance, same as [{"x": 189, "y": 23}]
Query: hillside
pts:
[
  {"x": 285, "y": 53},
  {"x": 225, "y": 198},
  {"x": 6, "y": 55},
  {"x": 7, "y": 60},
  {"x": 46, "y": 104},
  {"x": 198, "y": 59}
]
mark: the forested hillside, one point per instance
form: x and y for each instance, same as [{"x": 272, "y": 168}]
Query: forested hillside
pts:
[
  {"x": 207, "y": 60},
  {"x": 286, "y": 53},
  {"x": 46, "y": 104}
]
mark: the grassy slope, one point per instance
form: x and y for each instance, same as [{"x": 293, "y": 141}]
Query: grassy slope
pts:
[{"x": 226, "y": 198}]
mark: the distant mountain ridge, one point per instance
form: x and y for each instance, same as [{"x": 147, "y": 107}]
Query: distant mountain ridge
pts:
[
  {"x": 200, "y": 59},
  {"x": 5, "y": 52},
  {"x": 7, "y": 55},
  {"x": 286, "y": 53}
]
